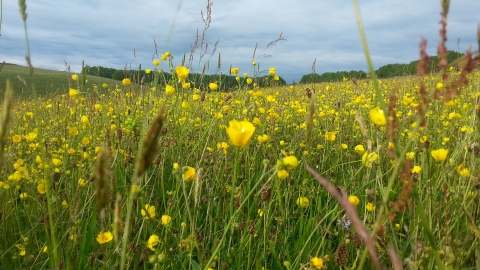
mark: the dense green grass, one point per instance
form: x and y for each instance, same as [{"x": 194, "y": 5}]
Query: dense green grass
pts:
[{"x": 47, "y": 82}]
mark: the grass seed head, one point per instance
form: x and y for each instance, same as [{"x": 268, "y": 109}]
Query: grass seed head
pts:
[
  {"x": 5, "y": 117},
  {"x": 149, "y": 150},
  {"x": 102, "y": 185}
]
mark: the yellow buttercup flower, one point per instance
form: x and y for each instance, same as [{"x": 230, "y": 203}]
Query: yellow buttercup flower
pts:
[
  {"x": 166, "y": 219},
  {"x": 462, "y": 171},
  {"x": 189, "y": 174},
  {"x": 302, "y": 202},
  {"x": 74, "y": 77},
  {"x": 369, "y": 158},
  {"x": 73, "y": 131},
  {"x": 263, "y": 138},
  {"x": 23, "y": 195},
  {"x": 330, "y": 136},
  {"x": 317, "y": 262},
  {"x": 156, "y": 62},
  {"x": 272, "y": 71},
  {"x": 169, "y": 90},
  {"x": 378, "y": 117},
  {"x": 148, "y": 211},
  {"x": 240, "y": 132},
  {"x": 370, "y": 207},
  {"x": 73, "y": 93},
  {"x": 235, "y": 70},
  {"x": 41, "y": 188},
  {"x": 359, "y": 149},
  {"x": 213, "y": 86},
  {"x": 282, "y": 174},
  {"x": 31, "y": 136},
  {"x": 85, "y": 141},
  {"x": 104, "y": 237},
  {"x": 290, "y": 162},
  {"x": 57, "y": 162},
  {"x": 182, "y": 72},
  {"x": 410, "y": 155},
  {"x": 439, "y": 154},
  {"x": 153, "y": 240},
  {"x": 126, "y": 81},
  {"x": 84, "y": 120},
  {"x": 21, "y": 249},
  {"x": 82, "y": 182},
  {"x": 353, "y": 200},
  {"x": 16, "y": 138},
  {"x": 416, "y": 169}
]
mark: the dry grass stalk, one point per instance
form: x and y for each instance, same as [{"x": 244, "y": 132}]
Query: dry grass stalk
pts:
[
  {"x": 272, "y": 43},
  {"x": 467, "y": 64},
  {"x": 351, "y": 213},
  {"x": 4, "y": 118},
  {"x": 117, "y": 218},
  {"x": 421, "y": 72},
  {"x": 404, "y": 198},
  {"x": 310, "y": 116},
  {"x": 396, "y": 262},
  {"x": 149, "y": 148},
  {"x": 102, "y": 185},
  {"x": 442, "y": 48},
  {"x": 363, "y": 129},
  {"x": 254, "y": 51},
  {"x": 478, "y": 40},
  {"x": 197, "y": 188}
]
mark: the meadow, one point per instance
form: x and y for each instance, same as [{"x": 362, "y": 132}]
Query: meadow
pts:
[{"x": 357, "y": 174}]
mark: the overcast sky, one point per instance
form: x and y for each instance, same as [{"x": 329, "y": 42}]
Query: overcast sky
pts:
[{"x": 105, "y": 33}]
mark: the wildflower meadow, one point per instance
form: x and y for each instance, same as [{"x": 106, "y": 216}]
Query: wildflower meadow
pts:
[{"x": 157, "y": 172}]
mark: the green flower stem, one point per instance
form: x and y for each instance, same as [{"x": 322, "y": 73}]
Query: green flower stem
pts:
[
  {"x": 233, "y": 188},
  {"x": 278, "y": 190},
  {"x": 191, "y": 219},
  {"x": 127, "y": 226}
]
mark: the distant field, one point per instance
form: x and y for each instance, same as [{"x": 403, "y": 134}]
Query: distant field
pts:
[{"x": 46, "y": 81}]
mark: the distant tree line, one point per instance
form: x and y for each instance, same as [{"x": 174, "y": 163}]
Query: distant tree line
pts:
[
  {"x": 225, "y": 82},
  {"x": 386, "y": 71}
]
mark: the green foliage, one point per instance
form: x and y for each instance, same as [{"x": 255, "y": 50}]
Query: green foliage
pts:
[
  {"x": 118, "y": 75},
  {"x": 386, "y": 71},
  {"x": 100, "y": 71},
  {"x": 333, "y": 76}
]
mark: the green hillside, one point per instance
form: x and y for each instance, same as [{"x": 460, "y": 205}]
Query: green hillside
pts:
[{"x": 46, "y": 81}]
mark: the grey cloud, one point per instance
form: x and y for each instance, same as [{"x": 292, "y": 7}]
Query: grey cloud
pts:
[{"x": 105, "y": 33}]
